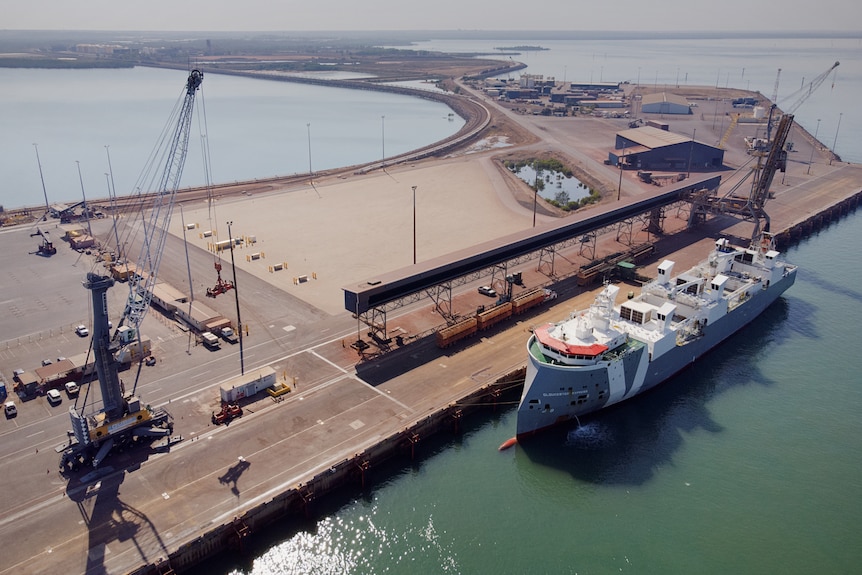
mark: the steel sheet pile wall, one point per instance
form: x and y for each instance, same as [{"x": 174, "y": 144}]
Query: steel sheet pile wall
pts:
[
  {"x": 299, "y": 499},
  {"x": 817, "y": 221}
]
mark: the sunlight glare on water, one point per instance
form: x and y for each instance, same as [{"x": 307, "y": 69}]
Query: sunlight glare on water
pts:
[{"x": 356, "y": 542}]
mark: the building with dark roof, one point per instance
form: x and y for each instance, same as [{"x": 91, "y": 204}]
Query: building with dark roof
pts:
[{"x": 649, "y": 148}]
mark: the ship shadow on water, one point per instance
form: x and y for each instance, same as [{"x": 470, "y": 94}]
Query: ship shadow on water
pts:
[{"x": 626, "y": 443}]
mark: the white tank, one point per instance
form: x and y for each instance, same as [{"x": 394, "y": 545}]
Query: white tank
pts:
[{"x": 759, "y": 112}]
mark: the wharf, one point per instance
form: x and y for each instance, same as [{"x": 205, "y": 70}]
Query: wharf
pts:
[{"x": 149, "y": 512}]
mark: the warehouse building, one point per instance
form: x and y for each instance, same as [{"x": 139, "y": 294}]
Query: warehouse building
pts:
[
  {"x": 649, "y": 148},
  {"x": 664, "y": 103}
]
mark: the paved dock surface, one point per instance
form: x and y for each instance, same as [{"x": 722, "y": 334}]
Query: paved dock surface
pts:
[{"x": 146, "y": 504}]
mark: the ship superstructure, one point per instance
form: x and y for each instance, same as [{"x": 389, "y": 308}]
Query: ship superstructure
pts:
[{"x": 608, "y": 353}]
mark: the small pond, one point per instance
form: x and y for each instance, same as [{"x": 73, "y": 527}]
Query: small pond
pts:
[{"x": 555, "y": 184}]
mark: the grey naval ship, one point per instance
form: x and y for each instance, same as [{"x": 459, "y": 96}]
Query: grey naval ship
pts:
[{"x": 607, "y": 353}]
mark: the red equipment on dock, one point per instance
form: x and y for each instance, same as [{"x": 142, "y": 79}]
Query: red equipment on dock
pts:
[{"x": 221, "y": 286}]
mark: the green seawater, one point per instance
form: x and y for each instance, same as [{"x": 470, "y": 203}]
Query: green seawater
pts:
[{"x": 748, "y": 462}]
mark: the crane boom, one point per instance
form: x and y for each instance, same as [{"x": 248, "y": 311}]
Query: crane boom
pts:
[
  {"x": 803, "y": 93},
  {"x": 800, "y": 96},
  {"x": 752, "y": 207},
  {"x": 156, "y": 230},
  {"x": 775, "y": 89},
  {"x": 775, "y": 160}
]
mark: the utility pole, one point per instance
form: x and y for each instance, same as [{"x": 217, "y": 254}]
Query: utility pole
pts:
[
  {"x": 86, "y": 209},
  {"x": 691, "y": 151},
  {"x": 535, "y": 192},
  {"x": 310, "y": 173},
  {"x": 621, "y": 161},
  {"x": 45, "y": 191},
  {"x": 414, "y": 224},
  {"x": 813, "y": 146},
  {"x": 236, "y": 295},
  {"x": 835, "y": 141}
]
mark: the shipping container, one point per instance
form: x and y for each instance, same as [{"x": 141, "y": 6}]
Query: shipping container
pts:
[
  {"x": 494, "y": 315},
  {"x": 456, "y": 332}
]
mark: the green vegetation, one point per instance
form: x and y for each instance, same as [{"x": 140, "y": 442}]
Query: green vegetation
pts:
[
  {"x": 562, "y": 199},
  {"x": 545, "y": 165}
]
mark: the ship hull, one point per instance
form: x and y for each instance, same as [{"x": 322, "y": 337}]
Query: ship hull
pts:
[{"x": 556, "y": 394}]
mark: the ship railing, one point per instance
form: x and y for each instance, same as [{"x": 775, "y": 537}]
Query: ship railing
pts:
[
  {"x": 662, "y": 291},
  {"x": 630, "y": 346},
  {"x": 688, "y": 330}
]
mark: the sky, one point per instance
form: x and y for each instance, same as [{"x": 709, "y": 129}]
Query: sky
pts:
[{"x": 344, "y": 15}]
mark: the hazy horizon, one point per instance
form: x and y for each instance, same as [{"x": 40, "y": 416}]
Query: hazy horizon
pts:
[{"x": 391, "y": 16}]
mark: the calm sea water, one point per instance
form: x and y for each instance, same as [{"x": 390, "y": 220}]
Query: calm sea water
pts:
[
  {"x": 749, "y": 462},
  {"x": 254, "y": 128}
]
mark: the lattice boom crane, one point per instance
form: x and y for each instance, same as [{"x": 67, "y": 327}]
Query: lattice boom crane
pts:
[{"x": 123, "y": 417}]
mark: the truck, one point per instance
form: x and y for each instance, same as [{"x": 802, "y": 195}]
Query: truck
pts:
[
  {"x": 210, "y": 340},
  {"x": 229, "y": 335}
]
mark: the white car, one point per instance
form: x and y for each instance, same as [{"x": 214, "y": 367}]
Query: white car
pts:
[
  {"x": 72, "y": 388},
  {"x": 10, "y": 409},
  {"x": 82, "y": 331},
  {"x": 54, "y": 397},
  {"x": 488, "y": 291}
]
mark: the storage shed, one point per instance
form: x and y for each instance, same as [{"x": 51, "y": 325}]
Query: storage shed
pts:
[
  {"x": 664, "y": 103},
  {"x": 649, "y": 148},
  {"x": 243, "y": 386},
  {"x": 200, "y": 317},
  {"x": 168, "y": 297}
]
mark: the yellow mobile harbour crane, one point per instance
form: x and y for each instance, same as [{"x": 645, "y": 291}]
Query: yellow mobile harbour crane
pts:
[{"x": 123, "y": 418}]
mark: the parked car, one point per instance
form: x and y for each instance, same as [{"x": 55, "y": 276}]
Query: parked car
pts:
[
  {"x": 82, "y": 331},
  {"x": 72, "y": 388},
  {"x": 54, "y": 397},
  {"x": 488, "y": 291},
  {"x": 46, "y": 362},
  {"x": 10, "y": 409}
]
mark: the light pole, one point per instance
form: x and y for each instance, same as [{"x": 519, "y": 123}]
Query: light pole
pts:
[
  {"x": 236, "y": 295},
  {"x": 189, "y": 270},
  {"x": 813, "y": 145},
  {"x": 44, "y": 190},
  {"x": 414, "y": 224},
  {"x": 621, "y": 161},
  {"x": 691, "y": 152},
  {"x": 310, "y": 173},
  {"x": 113, "y": 189},
  {"x": 86, "y": 209},
  {"x": 112, "y": 195},
  {"x": 383, "y": 137},
  {"x": 835, "y": 141},
  {"x": 535, "y": 193}
]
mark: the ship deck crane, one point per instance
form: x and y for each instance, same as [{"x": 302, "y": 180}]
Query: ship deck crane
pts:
[{"x": 123, "y": 417}]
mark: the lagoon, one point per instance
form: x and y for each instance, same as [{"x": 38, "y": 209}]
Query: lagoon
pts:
[{"x": 254, "y": 129}]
